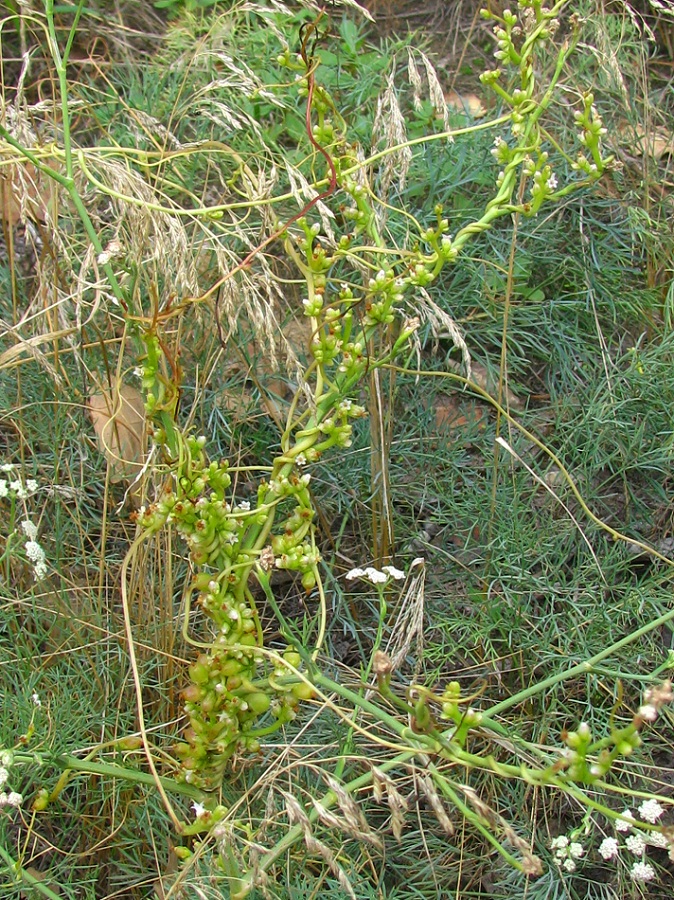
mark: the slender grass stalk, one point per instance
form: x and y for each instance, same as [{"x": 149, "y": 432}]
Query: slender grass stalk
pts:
[{"x": 27, "y": 878}]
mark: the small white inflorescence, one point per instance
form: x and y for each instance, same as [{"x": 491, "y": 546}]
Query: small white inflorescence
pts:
[
  {"x": 642, "y": 871},
  {"x": 608, "y": 849},
  {"x": 650, "y": 811},
  {"x": 375, "y": 576}
]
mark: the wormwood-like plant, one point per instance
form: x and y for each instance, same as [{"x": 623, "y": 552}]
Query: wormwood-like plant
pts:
[
  {"x": 360, "y": 304},
  {"x": 356, "y": 287}
]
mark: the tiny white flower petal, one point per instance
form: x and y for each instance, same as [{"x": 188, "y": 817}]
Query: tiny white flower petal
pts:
[{"x": 199, "y": 809}]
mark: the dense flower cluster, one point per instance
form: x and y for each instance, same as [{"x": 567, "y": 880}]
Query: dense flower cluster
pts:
[
  {"x": 13, "y": 487},
  {"x": 8, "y": 798},
  {"x": 637, "y": 841},
  {"x": 567, "y": 852},
  {"x": 633, "y": 836},
  {"x": 34, "y": 550},
  {"x": 16, "y": 489}
]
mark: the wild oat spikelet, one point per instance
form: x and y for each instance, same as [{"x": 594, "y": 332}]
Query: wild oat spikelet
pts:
[
  {"x": 427, "y": 788},
  {"x": 389, "y": 125},
  {"x": 297, "y": 816},
  {"x": 353, "y": 814},
  {"x": 383, "y": 785}
]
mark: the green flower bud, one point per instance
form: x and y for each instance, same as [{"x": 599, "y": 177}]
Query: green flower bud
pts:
[
  {"x": 41, "y": 800},
  {"x": 303, "y": 691},
  {"x": 308, "y": 581},
  {"x": 200, "y": 672},
  {"x": 293, "y": 658},
  {"x": 258, "y": 702}
]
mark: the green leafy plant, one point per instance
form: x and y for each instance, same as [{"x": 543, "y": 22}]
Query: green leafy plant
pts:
[{"x": 361, "y": 291}]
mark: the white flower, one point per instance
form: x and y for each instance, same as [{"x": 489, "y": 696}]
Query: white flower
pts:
[
  {"x": 34, "y": 552},
  {"x": 559, "y": 843},
  {"x": 14, "y": 799},
  {"x": 354, "y": 573},
  {"x": 370, "y": 573},
  {"x": 18, "y": 489},
  {"x": 7, "y": 467},
  {"x": 576, "y": 850},
  {"x": 4, "y": 775},
  {"x": 31, "y": 485},
  {"x": 114, "y": 248},
  {"x": 29, "y": 529},
  {"x": 641, "y": 871},
  {"x": 36, "y": 555},
  {"x": 657, "y": 839},
  {"x": 636, "y": 844},
  {"x": 36, "y": 699},
  {"x": 551, "y": 183},
  {"x": 569, "y": 865},
  {"x": 650, "y": 811},
  {"x": 648, "y": 713},
  {"x": 4, "y": 490},
  {"x": 244, "y": 505},
  {"x": 622, "y": 824},
  {"x": 394, "y": 573},
  {"x": 199, "y": 809},
  {"x": 608, "y": 848},
  {"x": 375, "y": 576}
]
